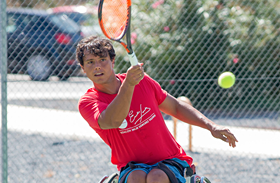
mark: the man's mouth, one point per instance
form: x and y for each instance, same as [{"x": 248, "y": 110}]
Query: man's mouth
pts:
[{"x": 98, "y": 74}]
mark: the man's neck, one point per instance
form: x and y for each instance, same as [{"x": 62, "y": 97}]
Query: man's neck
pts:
[{"x": 111, "y": 87}]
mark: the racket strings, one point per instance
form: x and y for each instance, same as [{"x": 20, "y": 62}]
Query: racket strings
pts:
[{"x": 115, "y": 17}]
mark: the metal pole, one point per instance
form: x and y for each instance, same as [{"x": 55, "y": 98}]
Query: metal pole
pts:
[
  {"x": 3, "y": 57},
  {"x": 190, "y": 138}
]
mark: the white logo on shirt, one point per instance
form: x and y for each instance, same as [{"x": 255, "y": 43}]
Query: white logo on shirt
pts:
[
  {"x": 124, "y": 124},
  {"x": 141, "y": 112},
  {"x": 139, "y": 119}
]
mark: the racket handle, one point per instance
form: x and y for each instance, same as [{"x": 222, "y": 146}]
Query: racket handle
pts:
[{"x": 133, "y": 59}]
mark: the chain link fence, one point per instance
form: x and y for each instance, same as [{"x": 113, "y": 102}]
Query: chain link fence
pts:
[{"x": 184, "y": 45}]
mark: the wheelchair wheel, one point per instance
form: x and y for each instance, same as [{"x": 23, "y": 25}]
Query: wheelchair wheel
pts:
[
  {"x": 110, "y": 179},
  {"x": 204, "y": 180},
  {"x": 198, "y": 179}
]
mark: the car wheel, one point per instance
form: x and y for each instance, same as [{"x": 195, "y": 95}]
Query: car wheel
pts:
[
  {"x": 63, "y": 77},
  {"x": 38, "y": 67}
]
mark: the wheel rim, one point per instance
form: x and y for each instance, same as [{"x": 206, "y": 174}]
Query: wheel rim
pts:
[{"x": 38, "y": 67}]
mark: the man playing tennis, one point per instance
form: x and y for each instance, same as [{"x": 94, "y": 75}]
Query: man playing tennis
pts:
[{"x": 125, "y": 111}]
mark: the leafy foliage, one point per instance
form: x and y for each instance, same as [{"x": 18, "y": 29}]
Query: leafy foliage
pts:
[{"x": 186, "y": 44}]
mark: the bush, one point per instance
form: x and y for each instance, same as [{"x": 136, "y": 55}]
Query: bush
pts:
[{"x": 192, "y": 42}]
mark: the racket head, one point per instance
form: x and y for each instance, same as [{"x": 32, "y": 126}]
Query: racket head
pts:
[{"x": 114, "y": 18}]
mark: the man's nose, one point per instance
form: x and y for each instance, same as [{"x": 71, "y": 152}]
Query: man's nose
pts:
[{"x": 97, "y": 66}]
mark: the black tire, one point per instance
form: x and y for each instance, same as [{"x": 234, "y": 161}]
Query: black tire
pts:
[
  {"x": 38, "y": 67},
  {"x": 63, "y": 77}
]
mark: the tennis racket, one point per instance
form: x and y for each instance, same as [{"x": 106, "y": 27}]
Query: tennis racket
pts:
[{"x": 114, "y": 18}]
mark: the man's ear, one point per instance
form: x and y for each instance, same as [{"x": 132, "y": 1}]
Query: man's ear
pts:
[{"x": 113, "y": 62}]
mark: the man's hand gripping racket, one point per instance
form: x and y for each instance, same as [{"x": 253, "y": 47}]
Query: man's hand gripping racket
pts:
[{"x": 114, "y": 18}]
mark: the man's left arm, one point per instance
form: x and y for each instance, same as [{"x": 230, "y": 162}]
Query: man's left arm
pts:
[{"x": 188, "y": 114}]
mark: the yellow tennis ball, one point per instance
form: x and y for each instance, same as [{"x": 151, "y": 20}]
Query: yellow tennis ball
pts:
[{"x": 226, "y": 80}]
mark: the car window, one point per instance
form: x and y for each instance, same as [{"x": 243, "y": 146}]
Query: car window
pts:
[
  {"x": 16, "y": 20},
  {"x": 11, "y": 24},
  {"x": 64, "y": 23},
  {"x": 91, "y": 20},
  {"x": 77, "y": 17},
  {"x": 83, "y": 19}
]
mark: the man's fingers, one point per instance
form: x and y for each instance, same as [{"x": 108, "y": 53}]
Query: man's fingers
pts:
[
  {"x": 135, "y": 74},
  {"x": 226, "y": 136},
  {"x": 223, "y": 138},
  {"x": 230, "y": 138}
]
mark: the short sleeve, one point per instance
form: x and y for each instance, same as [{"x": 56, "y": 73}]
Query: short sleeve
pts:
[
  {"x": 90, "y": 109},
  {"x": 160, "y": 93}
]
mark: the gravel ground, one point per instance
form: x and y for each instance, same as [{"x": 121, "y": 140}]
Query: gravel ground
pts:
[{"x": 37, "y": 158}]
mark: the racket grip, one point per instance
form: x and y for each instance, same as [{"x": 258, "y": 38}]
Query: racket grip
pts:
[{"x": 133, "y": 59}]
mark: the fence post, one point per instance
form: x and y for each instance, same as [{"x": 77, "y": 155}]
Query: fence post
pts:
[{"x": 3, "y": 41}]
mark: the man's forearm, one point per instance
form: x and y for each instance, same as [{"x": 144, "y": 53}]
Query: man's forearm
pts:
[
  {"x": 118, "y": 109},
  {"x": 192, "y": 116}
]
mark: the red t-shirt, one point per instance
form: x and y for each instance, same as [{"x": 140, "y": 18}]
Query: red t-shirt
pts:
[{"x": 144, "y": 136}]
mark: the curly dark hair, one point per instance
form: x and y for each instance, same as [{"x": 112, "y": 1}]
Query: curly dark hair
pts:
[{"x": 96, "y": 46}]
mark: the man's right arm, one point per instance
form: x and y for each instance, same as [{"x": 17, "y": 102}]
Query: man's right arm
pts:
[{"x": 117, "y": 110}]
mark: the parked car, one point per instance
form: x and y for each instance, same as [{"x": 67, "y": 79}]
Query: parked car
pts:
[
  {"x": 41, "y": 44},
  {"x": 85, "y": 16}
]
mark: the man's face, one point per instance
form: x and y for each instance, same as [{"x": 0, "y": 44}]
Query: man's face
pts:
[{"x": 98, "y": 69}]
